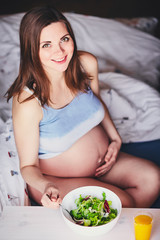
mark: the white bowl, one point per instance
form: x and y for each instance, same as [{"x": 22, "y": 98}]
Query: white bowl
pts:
[{"x": 95, "y": 191}]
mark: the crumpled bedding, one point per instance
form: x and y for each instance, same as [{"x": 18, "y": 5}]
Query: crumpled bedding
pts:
[
  {"x": 133, "y": 105},
  {"x": 131, "y": 51},
  {"x": 13, "y": 190}
]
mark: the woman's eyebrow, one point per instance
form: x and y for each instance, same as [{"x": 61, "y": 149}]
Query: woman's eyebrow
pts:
[
  {"x": 65, "y": 35},
  {"x": 45, "y": 42},
  {"x": 50, "y": 41}
]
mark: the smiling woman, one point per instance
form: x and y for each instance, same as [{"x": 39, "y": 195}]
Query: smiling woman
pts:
[{"x": 64, "y": 134}]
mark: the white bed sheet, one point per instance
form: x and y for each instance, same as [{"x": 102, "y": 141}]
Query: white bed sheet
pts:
[
  {"x": 13, "y": 191},
  {"x": 134, "y": 107}
]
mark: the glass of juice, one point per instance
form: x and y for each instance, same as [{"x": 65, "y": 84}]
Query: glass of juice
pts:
[{"x": 143, "y": 225}]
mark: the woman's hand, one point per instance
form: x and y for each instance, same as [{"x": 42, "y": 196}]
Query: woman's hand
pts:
[
  {"x": 110, "y": 158},
  {"x": 51, "y": 198}
]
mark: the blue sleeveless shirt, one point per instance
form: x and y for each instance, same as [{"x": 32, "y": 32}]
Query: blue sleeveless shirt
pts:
[{"x": 61, "y": 128}]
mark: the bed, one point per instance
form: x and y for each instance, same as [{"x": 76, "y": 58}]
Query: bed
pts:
[{"x": 128, "y": 55}]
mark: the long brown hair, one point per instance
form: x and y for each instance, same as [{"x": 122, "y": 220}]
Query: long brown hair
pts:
[{"x": 31, "y": 72}]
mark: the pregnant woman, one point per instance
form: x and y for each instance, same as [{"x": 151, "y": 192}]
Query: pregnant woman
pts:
[{"x": 64, "y": 135}]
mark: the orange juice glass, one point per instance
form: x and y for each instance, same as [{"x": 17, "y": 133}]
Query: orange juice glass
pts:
[{"x": 143, "y": 225}]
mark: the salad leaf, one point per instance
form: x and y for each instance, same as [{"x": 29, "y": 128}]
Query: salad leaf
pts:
[{"x": 92, "y": 211}]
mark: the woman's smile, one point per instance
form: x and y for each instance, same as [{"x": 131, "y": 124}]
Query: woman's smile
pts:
[{"x": 60, "y": 61}]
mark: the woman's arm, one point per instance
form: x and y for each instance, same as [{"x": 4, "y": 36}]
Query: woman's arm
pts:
[
  {"x": 90, "y": 65},
  {"x": 26, "y": 118}
]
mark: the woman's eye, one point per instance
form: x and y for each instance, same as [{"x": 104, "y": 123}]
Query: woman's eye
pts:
[
  {"x": 46, "y": 45},
  {"x": 65, "y": 39}
]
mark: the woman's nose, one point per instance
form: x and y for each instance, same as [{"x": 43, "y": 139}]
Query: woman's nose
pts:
[{"x": 58, "y": 49}]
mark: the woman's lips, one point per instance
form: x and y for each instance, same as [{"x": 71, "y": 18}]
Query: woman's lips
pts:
[{"x": 61, "y": 60}]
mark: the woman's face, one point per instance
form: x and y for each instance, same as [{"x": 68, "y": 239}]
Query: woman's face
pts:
[{"x": 56, "y": 47}]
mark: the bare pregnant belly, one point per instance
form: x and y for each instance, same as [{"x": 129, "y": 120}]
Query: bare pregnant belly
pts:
[{"x": 82, "y": 159}]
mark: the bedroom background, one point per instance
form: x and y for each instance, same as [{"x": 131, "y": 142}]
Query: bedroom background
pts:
[
  {"x": 127, "y": 46},
  {"x": 101, "y": 8}
]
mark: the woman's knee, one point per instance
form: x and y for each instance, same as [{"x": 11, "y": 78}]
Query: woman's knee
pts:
[
  {"x": 127, "y": 201},
  {"x": 149, "y": 185},
  {"x": 143, "y": 174},
  {"x": 151, "y": 175},
  {"x": 153, "y": 180}
]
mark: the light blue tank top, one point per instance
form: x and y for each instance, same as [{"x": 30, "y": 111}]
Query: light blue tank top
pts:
[{"x": 61, "y": 128}]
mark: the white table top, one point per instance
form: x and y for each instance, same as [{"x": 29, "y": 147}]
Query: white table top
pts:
[{"x": 39, "y": 223}]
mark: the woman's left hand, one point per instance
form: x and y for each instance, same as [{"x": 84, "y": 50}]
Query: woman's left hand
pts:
[{"x": 110, "y": 158}]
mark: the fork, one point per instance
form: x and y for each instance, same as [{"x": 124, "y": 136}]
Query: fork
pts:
[
  {"x": 65, "y": 210},
  {"x": 61, "y": 206}
]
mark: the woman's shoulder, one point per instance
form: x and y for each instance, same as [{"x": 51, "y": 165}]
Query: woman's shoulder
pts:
[
  {"x": 23, "y": 96},
  {"x": 90, "y": 65},
  {"x": 87, "y": 58},
  {"x": 22, "y": 106}
]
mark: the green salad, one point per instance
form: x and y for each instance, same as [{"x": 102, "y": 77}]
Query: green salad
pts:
[{"x": 92, "y": 211}]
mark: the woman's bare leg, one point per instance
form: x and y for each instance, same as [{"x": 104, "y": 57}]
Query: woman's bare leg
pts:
[
  {"x": 65, "y": 185},
  {"x": 138, "y": 177}
]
